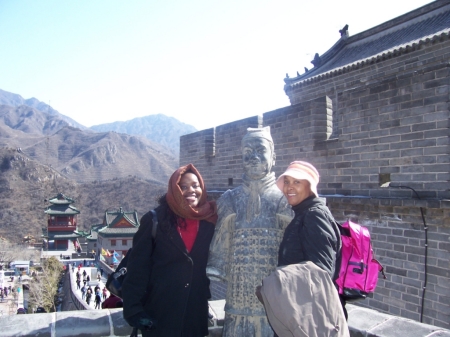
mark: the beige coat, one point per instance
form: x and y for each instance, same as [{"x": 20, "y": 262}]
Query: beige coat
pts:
[{"x": 301, "y": 301}]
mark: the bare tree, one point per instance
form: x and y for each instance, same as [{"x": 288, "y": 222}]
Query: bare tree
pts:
[
  {"x": 8, "y": 253},
  {"x": 44, "y": 287}
]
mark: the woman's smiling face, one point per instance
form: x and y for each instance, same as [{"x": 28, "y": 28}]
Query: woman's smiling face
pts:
[
  {"x": 190, "y": 188},
  {"x": 296, "y": 190}
]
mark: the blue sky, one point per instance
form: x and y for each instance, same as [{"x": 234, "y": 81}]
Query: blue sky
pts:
[{"x": 204, "y": 62}]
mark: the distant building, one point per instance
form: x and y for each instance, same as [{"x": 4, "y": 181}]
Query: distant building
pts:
[
  {"x": 116, "y": 235},
  {"x": 91, "y": 239},
  {"x": 60, "y": 233},
  {"x": 20, "y": 267}
]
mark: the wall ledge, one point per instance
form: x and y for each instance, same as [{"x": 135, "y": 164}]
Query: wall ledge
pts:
[{"x": 363, "y": 322}]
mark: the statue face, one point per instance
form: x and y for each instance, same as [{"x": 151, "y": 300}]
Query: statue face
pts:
[{"x": 257, "y": 157}]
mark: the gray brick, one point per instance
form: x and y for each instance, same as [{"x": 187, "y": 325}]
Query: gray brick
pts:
[
  {"x": 424, "y": 143},
  {"x": 439, "y": 116},
  {"x": 412, "y": 136},
  {"x": 435, "y": 83},
  {"x": 436, "y": 99},
  {"x": 439, "y": 271},
  {"x": 390, "y": 154},
  {"x": 412, "y": 152},
  {"x": 390, "y": 124},
  {"x": 424, "y": 126},
  {"x": 400, "y": 130},
  {"x": 425, "y": 160},
  {"x": 400, "y": 99},
  {"x": 396, "y": 271},
  {"x": 400, "y": 145},
  {"x": 412, "y": 104}
]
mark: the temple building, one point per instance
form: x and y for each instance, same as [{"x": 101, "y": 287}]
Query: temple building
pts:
[
  {"x": 60, "y": 233},
  {"x": 116, "y": 235}
]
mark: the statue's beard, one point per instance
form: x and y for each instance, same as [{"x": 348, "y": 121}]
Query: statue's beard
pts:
[{"x": 256, "y": 171}]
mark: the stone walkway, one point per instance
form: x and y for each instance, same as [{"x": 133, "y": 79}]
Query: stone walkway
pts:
[
  {"x": 92, "y": 272},
  {"x": 10, "y": 303}
]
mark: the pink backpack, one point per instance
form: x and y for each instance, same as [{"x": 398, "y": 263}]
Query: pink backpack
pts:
[{"x": 358, "y": 273}]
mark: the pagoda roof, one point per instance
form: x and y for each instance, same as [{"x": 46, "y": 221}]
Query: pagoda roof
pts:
[
  {"x": 64, "y": 209},
  {"x": 61, "y": 199},
  {"x": 62, "y": 235},
  {"x": 82, "y": 233},
  {"x": 119, "y": 232},
  {"x": 393, "y": 38},
  {"x": 112, "y": 218}
]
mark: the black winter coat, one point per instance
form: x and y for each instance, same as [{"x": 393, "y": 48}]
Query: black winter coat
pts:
[
  {"x": 313, "y": 235},
  {"x": 166, "y": 281}
]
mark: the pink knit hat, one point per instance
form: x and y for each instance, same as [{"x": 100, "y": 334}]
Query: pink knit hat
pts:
[{"x": 301, "y": 170}]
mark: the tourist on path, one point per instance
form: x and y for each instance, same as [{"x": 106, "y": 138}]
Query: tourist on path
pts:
[
  {"x": 98, "y": 300},
  {"x": 173, "y": 268},
  {"x": 83, "y": 292}
]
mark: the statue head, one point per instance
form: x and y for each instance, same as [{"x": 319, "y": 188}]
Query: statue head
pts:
[{"x": 258, "y": 153}]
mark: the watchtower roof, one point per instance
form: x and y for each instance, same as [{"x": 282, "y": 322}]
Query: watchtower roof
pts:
[
  {"x": 392, "y": 38},
  {"x": 114, "y": 217},
  {"x": 61, "y": 210},
  {"x": 61, "y": 199}
]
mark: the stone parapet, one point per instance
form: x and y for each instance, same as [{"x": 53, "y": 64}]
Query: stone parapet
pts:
[{"x": 363, "y": 322}]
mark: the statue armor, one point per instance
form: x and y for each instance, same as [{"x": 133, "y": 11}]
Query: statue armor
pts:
[{"x": 244, "y": 250}]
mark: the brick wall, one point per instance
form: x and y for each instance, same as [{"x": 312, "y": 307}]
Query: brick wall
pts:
[
  {"x": 383, "y": 121},
  {"x": 398, "y": 238}
]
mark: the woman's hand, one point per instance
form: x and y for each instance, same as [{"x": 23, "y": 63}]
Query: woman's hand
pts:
[{"x": 141, "y": 321}]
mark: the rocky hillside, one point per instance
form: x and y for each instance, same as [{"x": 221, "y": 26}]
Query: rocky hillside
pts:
[
  {"x": 15, "y": 100},
  {"x": 26, "y": 185},
  {"x": 82, "y": 155},
  {"x": 43, "y": 153},
  {"x": 157, "y": 128}
]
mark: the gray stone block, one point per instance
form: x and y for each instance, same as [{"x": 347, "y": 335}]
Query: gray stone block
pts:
[
  {"x": 361, "y": 320},
  {"x": 22, "y": 325},
  {"x": 83, "y": 324},
  {"x": 397, "y": 327},
  {"x": 120, "y": 326}
]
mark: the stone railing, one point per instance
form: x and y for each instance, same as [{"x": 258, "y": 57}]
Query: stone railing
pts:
[
  {"x": 109, "y": 322},
  {"x": 78, "y": 319}
]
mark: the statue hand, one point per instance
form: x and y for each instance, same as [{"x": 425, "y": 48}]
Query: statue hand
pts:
[{"x": 258, "y": 294}]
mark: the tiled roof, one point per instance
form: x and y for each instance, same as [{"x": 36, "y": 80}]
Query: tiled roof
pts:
[
  {"x": 61, "y": 210},
  {"x": 62, "y": 235},
  {"x": 392, "y": 38},
  {"x": 122, "y": 231},
  {"x": 61, "y": 199},
  {"x": 112, "y": 217}
]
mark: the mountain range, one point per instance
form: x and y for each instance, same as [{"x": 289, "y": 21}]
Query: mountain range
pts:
[{"x": 43, "y": 153}]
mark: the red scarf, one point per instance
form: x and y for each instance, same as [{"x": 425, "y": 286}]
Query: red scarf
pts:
[{"x": 205, "y": 210}]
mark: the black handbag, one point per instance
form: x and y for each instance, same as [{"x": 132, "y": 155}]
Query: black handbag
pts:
[{"x": 115, "y": 280}]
